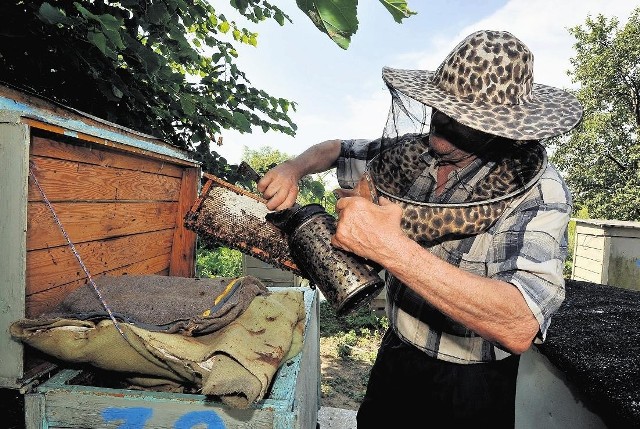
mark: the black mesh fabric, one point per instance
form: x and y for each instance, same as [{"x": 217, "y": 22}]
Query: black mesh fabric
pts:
[
  {"x": 408, "y": 123},
  {"x": 406, "y": 117}
]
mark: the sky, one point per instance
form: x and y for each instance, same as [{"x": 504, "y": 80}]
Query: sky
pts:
[{"x": 340, "y": 93}]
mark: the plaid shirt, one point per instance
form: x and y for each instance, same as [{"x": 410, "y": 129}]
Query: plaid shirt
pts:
[{"x": 526, "y": 247}]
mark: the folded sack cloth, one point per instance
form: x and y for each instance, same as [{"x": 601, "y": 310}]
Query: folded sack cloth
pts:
[
  {"x": 189, "y": 306},
  {"x": 236, "y": 363}
]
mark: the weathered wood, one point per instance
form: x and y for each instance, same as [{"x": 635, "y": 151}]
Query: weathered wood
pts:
[
  {"x": 46, "y": 300},
  {"x": 590, "y": 275},
  {"x": 84, "y": 407},
  {"x": 96, "y": 221},
  {"x": 306, "y": 396},
  {"x": 587, "y": 238},
  {"x": 34, "y": 411},
  {"x": 116, "y": 191},
  {"x": 183, "y": 253},
  {"x": 48, "y": 268},
  {"x": 267, "y": 273},
  {"x": 72, "y": 181},
  {"x": 90, "y": 153},
  {"x": 590, "y": 253},
  {"x": 13, "y": 224}
]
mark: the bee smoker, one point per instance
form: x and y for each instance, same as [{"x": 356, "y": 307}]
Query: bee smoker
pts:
[{"x": 346, "y": 280}]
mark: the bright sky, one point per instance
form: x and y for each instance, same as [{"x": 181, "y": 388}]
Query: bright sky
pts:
[{"x": 340, "y": 93}]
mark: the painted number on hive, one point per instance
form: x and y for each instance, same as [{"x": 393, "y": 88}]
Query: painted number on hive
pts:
[{"x": 137, "y": 418}]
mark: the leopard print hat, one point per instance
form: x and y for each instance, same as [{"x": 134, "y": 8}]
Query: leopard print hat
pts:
[{"x": 486, "y": 83}]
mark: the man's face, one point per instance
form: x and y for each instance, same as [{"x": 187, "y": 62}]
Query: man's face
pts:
[
  {"x": 466, "y": 138},
  {"x": 452, "y": 141}
]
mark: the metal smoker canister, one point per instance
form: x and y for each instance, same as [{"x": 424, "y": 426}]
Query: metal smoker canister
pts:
[{"x": 345, "y": 279}]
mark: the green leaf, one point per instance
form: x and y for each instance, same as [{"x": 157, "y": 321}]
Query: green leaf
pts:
[
  {"x": 398, "y": 9},
  {"x": 336, "y": 18},
  {"x": 99, "y": 41},
  {"x": 279, "y": 17},
  {"x": 224, "y": 26},
  {"x": 241, "y": 122},
  {"x": 116, "y": 91},
  {"x": 157, "y": 13},
  {"x": 52, "y": 15},
  {"x": 83, "y": 11},
  {"x": 187, "y": 104}
]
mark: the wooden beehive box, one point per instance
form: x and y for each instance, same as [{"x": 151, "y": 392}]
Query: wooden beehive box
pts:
[{"x": 121, "y": 196}]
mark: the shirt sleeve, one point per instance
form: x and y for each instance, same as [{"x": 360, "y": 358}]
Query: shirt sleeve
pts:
[
  {"x": 352, "y": 162},
  {"x": 530, "y": 246}
]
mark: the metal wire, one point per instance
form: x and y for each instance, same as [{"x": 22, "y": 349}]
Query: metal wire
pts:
[{"x": 75, "y": 252}]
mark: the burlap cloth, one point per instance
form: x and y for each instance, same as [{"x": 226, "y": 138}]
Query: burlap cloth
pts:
[
  {"x": 163, "y": 303},
  {"x": 235, "y": 363}
]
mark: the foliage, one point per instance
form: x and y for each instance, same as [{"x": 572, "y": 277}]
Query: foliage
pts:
[
  {"x": 313, "y": 188},
  {"x": 163, "y": 67},
  {"x": 349, "y": 346},
  {"x": 218, "y": 262},
  {"x": 359, "y": 320},
  {"x": 338, "y": 18},
  {"x": 601, "y": 158}
]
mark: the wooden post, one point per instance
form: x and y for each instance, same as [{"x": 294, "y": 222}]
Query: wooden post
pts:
[
  {"x": 183, "y": 251},
  {"x": 14, "y": 174}
]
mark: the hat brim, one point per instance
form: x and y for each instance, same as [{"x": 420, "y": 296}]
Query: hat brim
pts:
[{"x": 550, "y": 111}]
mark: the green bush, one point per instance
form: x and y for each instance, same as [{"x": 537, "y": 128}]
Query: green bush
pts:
[
  {"x": 362, "y": 320},
  {"x": 218, "y": 262}
]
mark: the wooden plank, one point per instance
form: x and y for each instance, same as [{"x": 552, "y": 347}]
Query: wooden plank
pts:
[
  {"x": 587, "y": 275},
  {"x": 588, "y": 264},
  {"x": 89, "y": 153},
  {"x": 183, "y": 251},
  {"x": 83, "y": 407},
  {"x": 591, "y": 241},
  {"x": 589, "y": 253},
  {"x": 34, "y": 411},
  {"x": 307, "y": 383},
  {"x": 47, "y": 268},
  {"x": 95, "y": 221},
  {"x": 72, "y": 181},
  {"x": 113, "y": 138},
  {"x": 14, "y": 156},
  {"x": 589, "y": 229},
  {"x": 44, "y": 301}
]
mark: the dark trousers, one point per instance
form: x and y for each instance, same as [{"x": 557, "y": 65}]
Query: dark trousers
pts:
[{"x": 408, "y": 389}]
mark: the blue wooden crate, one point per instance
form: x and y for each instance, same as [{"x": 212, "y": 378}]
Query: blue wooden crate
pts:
[{"x": 292, "y": 402}]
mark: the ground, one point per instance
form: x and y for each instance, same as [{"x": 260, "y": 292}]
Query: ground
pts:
[{"x": 348, "y": 347}]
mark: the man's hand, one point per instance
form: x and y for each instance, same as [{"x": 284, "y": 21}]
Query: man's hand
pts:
[
  {"x": 367, "y": 229},
  {"x": 279, "y": 186}
]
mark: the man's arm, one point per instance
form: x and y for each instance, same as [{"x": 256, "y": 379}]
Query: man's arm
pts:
[
  {"x": 494, "y": 309},
  {"x": 280, "y": 184}
]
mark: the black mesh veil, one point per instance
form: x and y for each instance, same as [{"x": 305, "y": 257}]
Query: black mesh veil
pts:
[
  {"x": 407, "y": 118},
  {"x": 510, "y": 165}
]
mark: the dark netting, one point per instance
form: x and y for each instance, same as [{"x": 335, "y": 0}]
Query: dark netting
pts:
[
  {"x": 516, "y": 164},
  {"x": 407, "y": 117}
]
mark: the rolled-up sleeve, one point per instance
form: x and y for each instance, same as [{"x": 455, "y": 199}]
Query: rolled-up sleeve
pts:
[
  {"x": 354, "y": 156},
  {"x": 530, "y": 246}
]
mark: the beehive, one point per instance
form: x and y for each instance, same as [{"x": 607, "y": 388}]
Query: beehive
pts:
[{"x": 121, "y": 196}]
